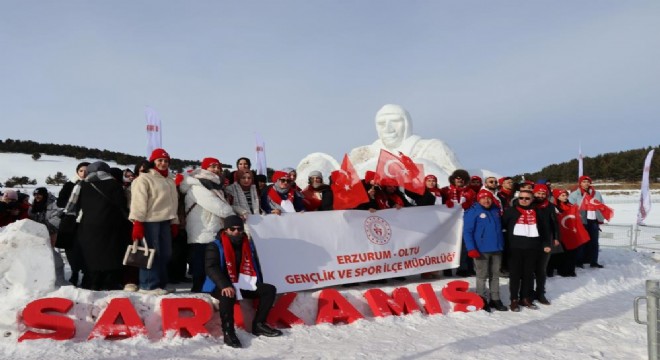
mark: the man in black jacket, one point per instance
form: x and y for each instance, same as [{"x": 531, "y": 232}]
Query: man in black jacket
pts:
[
  {"x": 529, "y": 236},
  {"x": 232, "y": 273}
]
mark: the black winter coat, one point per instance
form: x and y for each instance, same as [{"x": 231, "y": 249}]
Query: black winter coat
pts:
[
  {"x": 104, "y": 230},
  {"x": 509, "y": 219}
]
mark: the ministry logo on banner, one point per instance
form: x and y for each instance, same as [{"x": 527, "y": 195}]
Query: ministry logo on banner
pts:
[{"x": 378, "y": 230}]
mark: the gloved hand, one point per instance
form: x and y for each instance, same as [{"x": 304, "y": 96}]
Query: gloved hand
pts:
[
  {"x": 449, "y": 203},
  {"x": 138, "y": 231},
  {"x": 174, "y": 228},
  {"x": 474, "y": 253}
]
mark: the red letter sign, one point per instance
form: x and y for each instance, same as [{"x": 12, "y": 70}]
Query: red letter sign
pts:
[
  {"x": 34, "y": 316},
  {"x": 431, "y": 303},
  {"x": 280, "y": 314},
  {"x": 106, "y": 326},
  {"x": 456, "y": 292},
  {"x": 334, "y": 308},
  {"x": 381, "y": 305},
  {"x": 185, "y": 326}
]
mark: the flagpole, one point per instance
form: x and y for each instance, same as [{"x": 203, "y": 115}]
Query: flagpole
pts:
[
  {"x": 580, "y": 165},
  {"x": 645, "y": 195}
]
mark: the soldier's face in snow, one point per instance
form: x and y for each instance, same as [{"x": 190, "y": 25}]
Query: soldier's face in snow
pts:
[{"x": 390, "y": 128}]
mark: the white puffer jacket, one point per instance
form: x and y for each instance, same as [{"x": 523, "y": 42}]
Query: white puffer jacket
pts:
[{"x": 205, "y": 208}]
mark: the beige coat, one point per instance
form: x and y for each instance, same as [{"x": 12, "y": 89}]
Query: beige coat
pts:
[{"x": 154, "y": 198}]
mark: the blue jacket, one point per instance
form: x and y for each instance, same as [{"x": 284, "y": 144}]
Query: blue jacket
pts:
[
  {"x": 216, "y": 267},
  {"x": 482, "y": 229}
]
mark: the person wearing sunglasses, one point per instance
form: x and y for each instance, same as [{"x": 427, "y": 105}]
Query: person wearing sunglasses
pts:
[
  {"x": 529, "y": 236},
  {"x": 233, "y": 272},
  {"x": 281, "y": 196},
  {"x": 490, "y": 184}
]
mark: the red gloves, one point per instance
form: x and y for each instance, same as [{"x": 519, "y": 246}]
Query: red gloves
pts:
[
  {"x": 474, "y": 254},
  {"x": 138, "y": 231},
  {"x": 175, "y": 230},
  {"x": 449, "y": 203}
]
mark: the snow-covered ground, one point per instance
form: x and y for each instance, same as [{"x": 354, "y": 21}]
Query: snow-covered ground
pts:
[{"x": 591, "y": 315}]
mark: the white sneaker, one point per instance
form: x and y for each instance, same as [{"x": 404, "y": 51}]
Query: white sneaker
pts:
[
  {"x": 130, "y": 287},
  {"x": 157, "y": 292}
]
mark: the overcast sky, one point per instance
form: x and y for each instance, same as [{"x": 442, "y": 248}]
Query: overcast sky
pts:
[{"x": 510, "y": 86}]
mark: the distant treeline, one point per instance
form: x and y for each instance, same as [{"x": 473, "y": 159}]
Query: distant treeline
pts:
[
  {"x": 79, "y": 152},
  {"x": 618, "y": 166}
]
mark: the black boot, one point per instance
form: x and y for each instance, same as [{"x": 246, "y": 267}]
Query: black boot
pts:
[
  {"x": 229, "y": 333},
  {"x": 497, "y": 305},
  {"x": 265, "y": 330},
  {"x": 486, "y": 305}
]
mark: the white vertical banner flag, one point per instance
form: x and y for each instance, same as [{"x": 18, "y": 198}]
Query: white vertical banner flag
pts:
[
  {"x": 645, "y": 197},
  {"x": 154, "y": 131},
  {"x": 261, "y": 155},
  {"x": 580, "y": 172}
]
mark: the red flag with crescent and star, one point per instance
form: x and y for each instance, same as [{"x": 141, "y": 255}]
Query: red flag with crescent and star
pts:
[
  {"x": 402, "y": 169},
  {"x": 589, "y": 203},
  {"x": 571, "y": 229},
  {"x": 347, "y": 190}
]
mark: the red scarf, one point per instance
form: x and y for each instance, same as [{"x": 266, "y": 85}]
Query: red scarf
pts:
[
  {"x": 563, "y": 206},
  {"x": 526, "y": 224},
  {"x": 276, "y": 196},
  {"x": 455, "y": 192},
  {"x": 247, "y": 263},
  {"x": 435, "y": 191},
  {"x": 165, "y": 172},
  {"x": 527, "y": 216}
]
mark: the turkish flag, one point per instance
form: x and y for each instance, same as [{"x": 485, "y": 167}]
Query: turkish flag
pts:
[
  {"x": 347, "y": 189},
  {"x": 571, "y": 229},
  {"x": 402, "y": 169},
  {"x": 589, "y": 203}
]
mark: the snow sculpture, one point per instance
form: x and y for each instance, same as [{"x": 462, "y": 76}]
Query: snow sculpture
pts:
[{"x": 394, "y": 128}]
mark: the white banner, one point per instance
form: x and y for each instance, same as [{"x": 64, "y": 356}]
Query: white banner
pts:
[
  {"x": 645, "y": 197},
  {"x": 154, "y": 133},
  {"x": 261, "y": 155},
  {"x": 300, "y": 251}
]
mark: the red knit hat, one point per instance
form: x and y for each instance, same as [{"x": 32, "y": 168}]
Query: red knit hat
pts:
[
  {"x": 159, "y": 154},
  {"x": 369, "y": 175},
  {"x": 484, "y": 193},
  {"x": 388, "y": 182},
  {"x": 431, "y": 176},
  {"x": 501, "y": 180},
  {"x": 475, "y": 177},
  {"x": 584, "y": 177},
  {"x": 279, "y": 175},
  {"x": 206, "y": 162},
  {"x": 557, "y": 192},
  {"x": 540, "y": 188}
]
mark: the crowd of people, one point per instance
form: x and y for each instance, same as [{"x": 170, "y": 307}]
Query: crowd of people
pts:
[{"x": 196, "y": 223}]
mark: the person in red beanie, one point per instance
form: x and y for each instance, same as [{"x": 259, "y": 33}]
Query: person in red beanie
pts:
[
  {"x": 564, "y": 262},
  {"x": 281, "y": 196},
  {"x": 476, "y": 183},
  {"x": 484, "y": 242},
  {"x": 591, "y": 220},
  {"x": 545, "y": 209},
  {"x": 154, "y": 204},
  {"x": 205, "y": 208}
]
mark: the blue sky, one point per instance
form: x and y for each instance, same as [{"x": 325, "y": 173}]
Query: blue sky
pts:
[{"x": 510, "y": 86}]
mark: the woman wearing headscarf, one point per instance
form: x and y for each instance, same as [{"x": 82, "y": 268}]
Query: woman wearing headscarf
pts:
[
  {"x": 242, "y": 194},
  {"x": 154, "y": 203},
  {"x": 103, "y": 229},
  {"x": 44, "y": 210}
]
